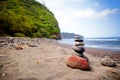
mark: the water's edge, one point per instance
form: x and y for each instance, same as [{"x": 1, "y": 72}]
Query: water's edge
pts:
[{"x": 99, "y": 43}]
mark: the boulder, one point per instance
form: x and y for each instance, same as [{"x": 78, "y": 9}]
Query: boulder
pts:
[
  {"x": 107, "y": 61},
  {"x": 77, "y": 62}
]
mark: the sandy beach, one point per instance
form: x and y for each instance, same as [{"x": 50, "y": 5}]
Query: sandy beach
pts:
[{"x": 46, "y": 60}]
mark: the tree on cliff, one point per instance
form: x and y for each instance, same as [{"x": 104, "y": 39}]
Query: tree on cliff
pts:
[{"x": 27, "y": 18}]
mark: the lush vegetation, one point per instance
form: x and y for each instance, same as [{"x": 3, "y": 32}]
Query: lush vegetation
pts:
[{"x": 27, "y": 18}]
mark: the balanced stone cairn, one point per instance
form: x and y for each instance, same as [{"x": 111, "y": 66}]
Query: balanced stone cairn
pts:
[
  {"x": 79, "y": 60},
  {"x": 79, "y": 46}
]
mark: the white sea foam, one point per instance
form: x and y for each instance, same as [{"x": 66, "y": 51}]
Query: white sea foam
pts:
[{"x": 101, "y": 39}]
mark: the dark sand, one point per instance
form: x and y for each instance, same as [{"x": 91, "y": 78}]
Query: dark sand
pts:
[{"x": 47, "y": 61}]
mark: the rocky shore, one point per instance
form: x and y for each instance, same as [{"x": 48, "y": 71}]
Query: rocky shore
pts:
[{"x": 45, "y": 59}]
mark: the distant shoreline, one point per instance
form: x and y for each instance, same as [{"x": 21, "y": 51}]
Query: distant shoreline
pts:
[{"x": 105, "y": 44}]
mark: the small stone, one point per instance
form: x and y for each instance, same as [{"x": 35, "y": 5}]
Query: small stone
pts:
[
  {"x": 80, "y": 54},
  {"x": 18, "y": 47},
  {"x": 78, "y": 49},
  {"x": 78, "y": 39},
  {"x": 79, "y": 44},
  {"x": 3, "y": 74},
  {"x": 1, "y": 66},
  {"x": 32, "y": 45},
  {"x": 86, "y": 58},
  {"x": 107, "y": 61},
  {"x": 37, "y": 62}
]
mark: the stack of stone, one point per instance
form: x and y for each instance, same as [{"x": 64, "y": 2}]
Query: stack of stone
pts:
[
  {"x": 79, "y": 61},
  {"x": 79, "y": 46}
]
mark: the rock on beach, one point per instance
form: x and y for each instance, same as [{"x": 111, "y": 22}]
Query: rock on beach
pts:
[
  {"x": 107, "y": 61},
  {"x": 78, "y": 62}
]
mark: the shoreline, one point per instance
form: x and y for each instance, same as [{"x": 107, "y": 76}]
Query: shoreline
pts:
[
  {"x": 96, "y": 46},
  {"x": 99, "y": 52}
]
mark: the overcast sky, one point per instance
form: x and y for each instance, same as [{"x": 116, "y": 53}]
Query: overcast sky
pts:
[{"x": 90, "y": 18}]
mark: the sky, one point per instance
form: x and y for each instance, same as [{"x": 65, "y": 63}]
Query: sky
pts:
[{"x": 90, "y": 18}]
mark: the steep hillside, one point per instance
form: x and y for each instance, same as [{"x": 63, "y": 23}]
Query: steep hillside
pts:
[{"x": 27, "y": 18}]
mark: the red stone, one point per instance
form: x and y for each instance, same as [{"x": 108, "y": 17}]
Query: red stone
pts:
[{"x": 78, "y": 62}]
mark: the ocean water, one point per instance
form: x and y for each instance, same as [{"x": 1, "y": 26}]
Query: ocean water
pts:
[{"x": 112, "y": 43}]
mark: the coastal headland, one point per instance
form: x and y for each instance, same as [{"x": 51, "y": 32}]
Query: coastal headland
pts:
[{"x": 45, "y": 59}]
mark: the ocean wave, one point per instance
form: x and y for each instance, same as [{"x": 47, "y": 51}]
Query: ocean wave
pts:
[
  {"x": 110, "y": 44},
  {"x": 115, "y": 48},
  {"x": 101, "y": 39}
]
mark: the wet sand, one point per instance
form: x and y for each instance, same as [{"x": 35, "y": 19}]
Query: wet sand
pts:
[{"x": 47, "y": 61}]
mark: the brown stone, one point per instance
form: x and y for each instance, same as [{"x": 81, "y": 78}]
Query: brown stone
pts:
[{"x": 18, "y": 47}]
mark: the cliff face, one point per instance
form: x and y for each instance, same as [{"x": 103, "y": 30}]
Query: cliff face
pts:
[{"x": 27, "y": 18}]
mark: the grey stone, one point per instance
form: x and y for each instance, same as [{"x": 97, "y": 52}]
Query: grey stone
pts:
[
  {"x": 80, "y": 54},
  {"x": 32, "y": 45},
  {"x": 107, "y": 61},
  {"x": 78, "y": 49},
  {"x": 79, "y": 43},
  {"x": 86, "y": 58},
  {"x": 78, "y": 40}
]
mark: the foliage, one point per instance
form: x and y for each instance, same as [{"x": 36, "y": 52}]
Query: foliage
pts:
[
  {"x": 19, "y": 35},
  {"x": 27, "y": 17}
]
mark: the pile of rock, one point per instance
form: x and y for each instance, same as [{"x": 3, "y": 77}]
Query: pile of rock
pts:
[
  {"x": 79, "y": 46},
  {"x": 79, "y": 60}
]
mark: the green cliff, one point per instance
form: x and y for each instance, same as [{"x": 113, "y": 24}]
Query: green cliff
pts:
[{"x": 27, "y": 18}]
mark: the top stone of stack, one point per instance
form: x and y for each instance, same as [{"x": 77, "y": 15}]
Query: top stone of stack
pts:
[{"x": 78, "y": 39}]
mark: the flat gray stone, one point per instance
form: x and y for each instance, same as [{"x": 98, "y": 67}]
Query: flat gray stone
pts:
[
  {"x": 79, "y": 43},
  {"x": 107, "y": 61},
  {"x": 78, "y": 49}
]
